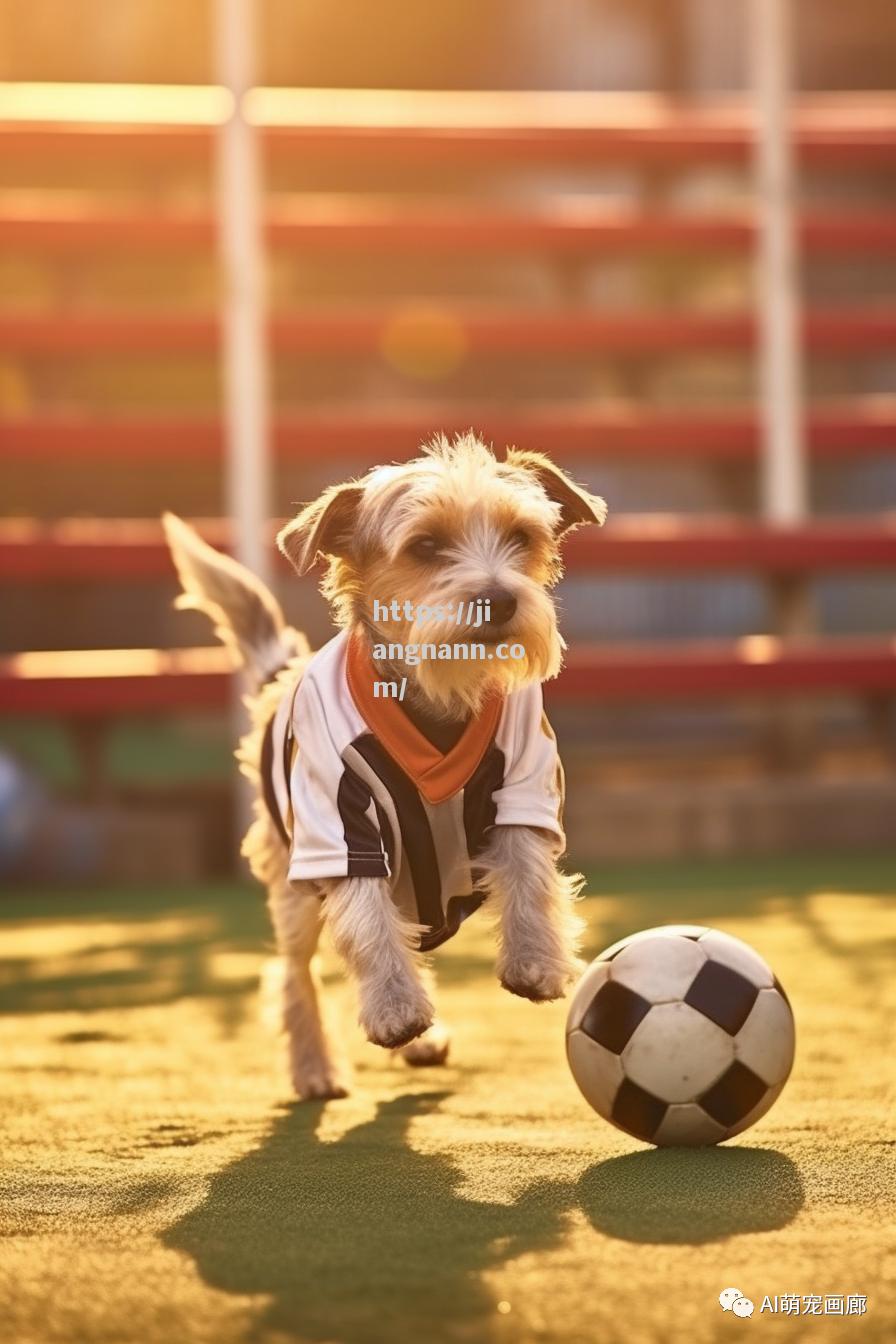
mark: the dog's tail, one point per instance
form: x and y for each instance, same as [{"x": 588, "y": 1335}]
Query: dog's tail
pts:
[{"x": 246, "y": 615}]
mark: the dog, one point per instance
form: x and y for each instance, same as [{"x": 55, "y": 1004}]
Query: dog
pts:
[{"x": 392, "y": 816}]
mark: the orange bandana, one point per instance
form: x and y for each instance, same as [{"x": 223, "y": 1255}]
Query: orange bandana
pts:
[{"x": 437, "y": 776}]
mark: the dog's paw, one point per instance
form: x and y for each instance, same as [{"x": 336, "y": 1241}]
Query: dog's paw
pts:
[
  {"x": 537, "y": 981},
  {"x": 322, "y": 1084},
  {"x": 428, "y": 1050},
  {"x": 393, "y": 1019}
]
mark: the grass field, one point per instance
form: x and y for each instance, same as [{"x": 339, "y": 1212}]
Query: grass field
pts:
[{"x": 159, "y": 1185}]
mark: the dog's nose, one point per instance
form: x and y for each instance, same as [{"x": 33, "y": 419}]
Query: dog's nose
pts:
[{"x": 499, "y": 606}]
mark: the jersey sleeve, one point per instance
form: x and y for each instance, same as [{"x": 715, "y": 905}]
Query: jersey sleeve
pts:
[
  {"x": 532, "y": 790},
  {"x": 336, "y": 829}
]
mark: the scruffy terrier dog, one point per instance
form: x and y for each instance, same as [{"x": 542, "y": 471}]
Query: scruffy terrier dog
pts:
[{"x": 405, "y": 773}]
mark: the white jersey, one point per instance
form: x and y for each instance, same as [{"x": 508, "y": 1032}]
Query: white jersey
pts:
[{"x": 357, "y": 790}]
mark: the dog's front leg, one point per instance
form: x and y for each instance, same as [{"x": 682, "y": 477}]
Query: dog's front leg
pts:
[
  {"x": 377, "y": 944},
  {"x": 538, "y": 930}
]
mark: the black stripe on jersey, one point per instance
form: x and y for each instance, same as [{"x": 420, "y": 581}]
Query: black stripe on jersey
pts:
[
  {"x": 267, "y": 779},
  {"x": 459, "y": 909},
  {"x": 414, "y": 826},
  {"x": 287, "y": 755},
  {"x": 362, "y": 839},
  {"x": 480, "y": 808},
  {"x": 386, "y": 834}
]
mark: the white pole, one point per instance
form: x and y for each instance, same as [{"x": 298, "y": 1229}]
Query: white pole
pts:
[
  {"x": 785, "y": 487},
  {"x": 244, "y": 364},
  {"x": 243, "y": 346},
  {"x": 784, "y": 475}
]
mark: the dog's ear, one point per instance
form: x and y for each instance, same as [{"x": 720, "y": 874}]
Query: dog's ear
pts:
[
  {"x": 325, "y": 526},
  {"x": 577, "y": 505}
]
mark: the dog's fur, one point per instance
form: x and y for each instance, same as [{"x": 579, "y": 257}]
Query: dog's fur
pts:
[{"x": 491, "y": 527}]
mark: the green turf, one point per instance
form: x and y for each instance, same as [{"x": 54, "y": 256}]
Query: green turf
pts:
[{"x": 158, "y": 1184}]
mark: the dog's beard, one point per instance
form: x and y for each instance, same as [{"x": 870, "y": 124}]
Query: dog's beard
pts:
[{"x": 456, "y": 686}]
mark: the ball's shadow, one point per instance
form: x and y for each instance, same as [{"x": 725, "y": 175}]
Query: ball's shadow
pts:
[{"x": 689, "y": 1196}]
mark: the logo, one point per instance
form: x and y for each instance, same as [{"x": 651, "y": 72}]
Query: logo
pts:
[
  {"x": 795, "y": 1304},
  {"x": 732, "y": 1299}
]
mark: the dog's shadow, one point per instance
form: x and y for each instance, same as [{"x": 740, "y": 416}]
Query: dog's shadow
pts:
[{"x": 362, "y": 1239}]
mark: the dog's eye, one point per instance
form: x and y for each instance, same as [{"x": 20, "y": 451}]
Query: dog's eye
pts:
[
  {"x": 423, "y": 548},
  {"x": 519, "y": 537}
]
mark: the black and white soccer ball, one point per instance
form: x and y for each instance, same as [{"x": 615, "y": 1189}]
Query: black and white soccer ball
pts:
[{"x": 680, "y": 1035}]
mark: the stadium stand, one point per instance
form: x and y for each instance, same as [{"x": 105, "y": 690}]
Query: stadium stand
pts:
[{"x": 125, "y": 214}]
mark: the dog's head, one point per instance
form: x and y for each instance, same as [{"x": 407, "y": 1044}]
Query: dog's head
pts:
[{"x": 453, "y": 531}]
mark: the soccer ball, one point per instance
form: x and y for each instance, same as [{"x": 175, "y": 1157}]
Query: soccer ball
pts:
[{"x": 680, "y": 1035}]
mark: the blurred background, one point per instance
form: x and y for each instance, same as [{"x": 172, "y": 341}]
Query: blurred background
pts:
[{"x": 541, "y": 218}]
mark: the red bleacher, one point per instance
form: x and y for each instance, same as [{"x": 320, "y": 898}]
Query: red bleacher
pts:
[
  {"x": 512, "y": 129},
  {"x": 842, "y": 131},
  {"x": 504, "y": 331},
  {"x": 125, "y": 550},
  {"x": 569, "y": 432},
  {"x": 562, "y": 226},
  {"x": 111, "y": 682}
]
